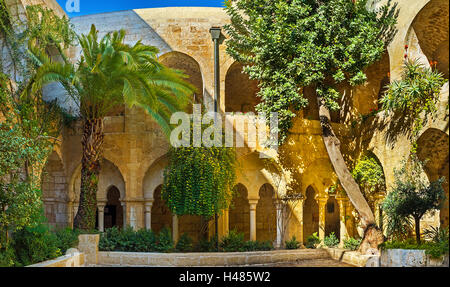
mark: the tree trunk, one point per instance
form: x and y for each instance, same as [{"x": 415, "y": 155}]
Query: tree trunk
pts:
[
  {"x": 417, "y": 226},
  {"x": 372, "y": 234},
  {"x": 90, "y": 170}
]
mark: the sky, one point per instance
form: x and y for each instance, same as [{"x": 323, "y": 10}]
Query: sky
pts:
[{"x": 100, "y": 6}]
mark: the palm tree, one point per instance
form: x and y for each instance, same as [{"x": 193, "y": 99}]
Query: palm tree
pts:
[{"x": 111, "y": 73}]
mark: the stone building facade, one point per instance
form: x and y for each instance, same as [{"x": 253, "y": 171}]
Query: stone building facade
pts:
[{"x": 136, "y": 150}]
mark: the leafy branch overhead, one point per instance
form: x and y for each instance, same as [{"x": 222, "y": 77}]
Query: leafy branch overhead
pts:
[{"x": 289, "y": 45}]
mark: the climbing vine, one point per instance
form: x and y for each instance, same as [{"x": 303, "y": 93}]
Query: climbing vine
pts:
[{"x": 199, "y": 180}]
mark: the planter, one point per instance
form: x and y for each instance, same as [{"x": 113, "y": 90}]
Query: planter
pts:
[{"x": 410, "y": 258}]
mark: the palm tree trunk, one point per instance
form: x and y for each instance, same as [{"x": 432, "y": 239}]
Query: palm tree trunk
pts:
[
  {"x": 371, "y": 239},
  {"x": 90, "y": 170}
]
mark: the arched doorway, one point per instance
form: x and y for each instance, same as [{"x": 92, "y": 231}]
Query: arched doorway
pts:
[
  {"x": 310, "y": 214},
  {"x": 433, "y": 149},
  {"x": 431, "y": 31},
  {"x": 190, "y": 67},
  {"x": 113, "y": 209},
  {"x": 161, "y": 215},
  {"x": 240, "y": 91},
  {"x": 332, "y": 223},
  {"x": 266, "y": 217},
  {"x": 239, "y": 213}
]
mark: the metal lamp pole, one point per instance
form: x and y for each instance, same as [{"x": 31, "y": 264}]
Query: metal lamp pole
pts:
[{"x": 216, "y": 34}]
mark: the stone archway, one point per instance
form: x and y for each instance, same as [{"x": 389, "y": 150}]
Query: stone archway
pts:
[
  {"x": 239, "y": 212},
  {"x": 432, "y": 32},
  {"x": 433, "y": 149},
  {"x": 161, "y": 215},
  {"x": 113, "y": 213},
  {"x": 310, "y": 214},
  {"x": 55, "y": 192},
  {"x": 332, "y": 223},
  {"x": 266, "y": 216},
  {"x": 190, "y": 67},
  {"x": 240, "y": 91}
]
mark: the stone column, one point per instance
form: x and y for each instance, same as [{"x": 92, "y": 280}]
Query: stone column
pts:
[
  {"x": 350, "y": 223},
  {"x": 124, "y": 211},
  {"x": 343, "y": 227},
  {"x": 279, "y": 222},
  {"x": 148, "y": 214},
  {"x": 70, "y": 213},
  {"x": 175, "y": 228},
  {"x": 378, "y": 200},
  {"x": 253, "y": 203},
  {"x": 301, "y": 204},
  {"x": 322, "y": 201},
  {"x": 101, "y": 216}
]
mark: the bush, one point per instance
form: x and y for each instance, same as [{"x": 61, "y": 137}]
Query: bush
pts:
[
  {"x": 352, "y": 243},
  {"x": 67, "y": 238},
  {"x": 233, "y": 242},
  {"x": 312, "y": 241},
  {"x": 184, "y": 243},
  {"x": 165, "y": 242},
  {"x": 331, "y": 240},
  {"x": 292, "y": 244},
  {"x": 36, "y": 244},
  {"x": 114, "y": 239},
  {"x": 205, "y": 245},
  {"x": 7, "y": 257},
  {"x": 257, "y": 246}
]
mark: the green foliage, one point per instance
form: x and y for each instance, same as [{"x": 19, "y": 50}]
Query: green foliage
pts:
[
  {"x": 312, "y": 241},
  {"x": 66, "y": 239},
  {"x": 199, "y": 180},
  {"x": 331, "y": 240},
  {"x": 165, "y": 242},
  {"x": 205, "y": 245},
  {"x": 436, "y": 234},
  {"x": 184, "y": 244},
  {"x": 352, "y": 243},
  {"x": 412, "y": 195},
  {"x": 232, "y": 242},
  {"x": 292, "y": 244},
  {"x": 35, "y": 244},
  {"x": 289, "y": 45},
  {"x": 416, "y": 93},
  {"x": 369, "y": 175},
  {"x": 7, "y": 257},
  {"x": 257, "y": 246}
]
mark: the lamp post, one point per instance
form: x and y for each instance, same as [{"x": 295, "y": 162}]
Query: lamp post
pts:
[{"x": 217, "y": 37}]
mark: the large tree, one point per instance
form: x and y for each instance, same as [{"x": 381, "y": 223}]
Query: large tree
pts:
[
  {"x": 290, "y": 45},
  {"x": 109, "y": 74}
]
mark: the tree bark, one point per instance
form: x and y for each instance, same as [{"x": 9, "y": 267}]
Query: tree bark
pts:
[
  {"x": 372, "y": 234},
  {"x": 90, "y": 170},
  {"x": 417, "y": 226}
]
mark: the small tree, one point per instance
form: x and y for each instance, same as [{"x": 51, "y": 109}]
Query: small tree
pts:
[{"x": 412, "y": 195}]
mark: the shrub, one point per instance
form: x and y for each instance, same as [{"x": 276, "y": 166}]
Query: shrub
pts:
[
  {"x": 184, "y": 243},
  {"x": 146, "y": 241},
  {"x": 109, "y": 239},
  {"x": 331, "y": 240},
  {"x": 257, "y": 246},
  {"x": 35, "y": 244},
  {"x": 352, "y": 243},
  {"x": 233, "y": 242},
  {"x": 66, "y": 239},
  {"x": 205, "y": 245},
  {"x": 7, "y": 257},
  {"x": 312, "y": 241},
  {"x": 292, "y": 244},
  {"x": 165, "y": 242}
]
